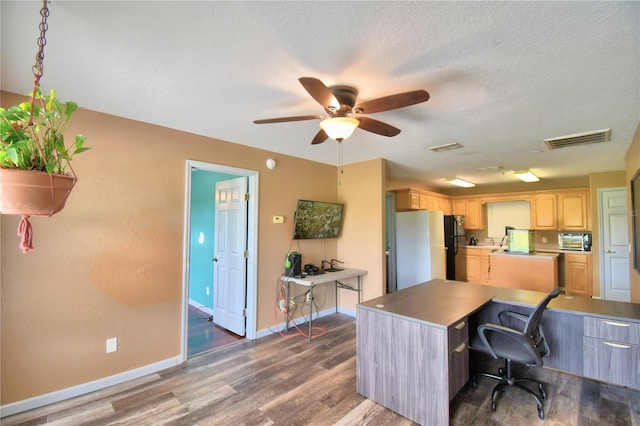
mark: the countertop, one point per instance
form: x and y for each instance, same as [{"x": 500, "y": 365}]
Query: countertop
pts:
[
  {"x": 535, "y": 254},
  {"x": 539, "y": 249}
]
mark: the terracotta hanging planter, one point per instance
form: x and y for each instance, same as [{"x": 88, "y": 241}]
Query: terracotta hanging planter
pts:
[{"x": 33, "y": 193}]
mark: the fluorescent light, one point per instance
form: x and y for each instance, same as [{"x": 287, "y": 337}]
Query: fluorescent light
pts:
[
  {"x": 459, "y": 182},
  {"x": 526, "y": 175},
  {"x": 339, "y": 128}
]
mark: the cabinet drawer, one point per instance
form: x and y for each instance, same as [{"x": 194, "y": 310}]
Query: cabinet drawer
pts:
[
  {"x": 611, "y": 362},
  {"x": 458, "y": 368},
  {"x": 458, "y": 333},
  {"x": 614, "y": 330}
]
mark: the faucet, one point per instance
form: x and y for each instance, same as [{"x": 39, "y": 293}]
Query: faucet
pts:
[{"x": 335, "y": 261}]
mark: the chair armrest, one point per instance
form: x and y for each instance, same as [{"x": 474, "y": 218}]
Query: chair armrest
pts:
[
  {"x": 515, "y": 315},
  {"x": 515, "y": 335}
]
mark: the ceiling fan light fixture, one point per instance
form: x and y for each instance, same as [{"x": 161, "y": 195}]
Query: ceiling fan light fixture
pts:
[
  {"x": 339, "y": 128},
  {"x": 459, "y": 182},
  {"x": 526, "y": 175}
]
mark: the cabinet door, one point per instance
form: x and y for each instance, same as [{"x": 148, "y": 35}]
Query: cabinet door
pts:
[
  {"x": 474, "y": 267},
  {"x": 612, "y": 362},
  {"x": 424, "y": 202},
  {"x": 484, "y": 266},
  {"x": 459, "y": 207},
  {"x": 578, "y": 279},
  {"x": 544, "y": 211},
  {"x": 473, "y": 217},
  {"x": 461, "y": 264},
  {"x": 573, "y": 211}
]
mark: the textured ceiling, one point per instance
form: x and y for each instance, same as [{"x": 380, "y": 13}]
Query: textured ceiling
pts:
[{"x": 502, "y": 76}]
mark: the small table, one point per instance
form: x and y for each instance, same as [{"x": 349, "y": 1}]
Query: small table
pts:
[{"x": 328, "y": 277}]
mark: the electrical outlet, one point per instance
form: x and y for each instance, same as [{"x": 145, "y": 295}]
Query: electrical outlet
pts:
[
  {"x": 308, "y": 297},
  {"x": 544, "y": 239},
  {"x": 112, "y": 345}
]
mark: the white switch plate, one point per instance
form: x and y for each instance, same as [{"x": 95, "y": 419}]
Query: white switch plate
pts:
[
  {"x": 112, "y": 345},
  {"x": 278, "y": 219}
]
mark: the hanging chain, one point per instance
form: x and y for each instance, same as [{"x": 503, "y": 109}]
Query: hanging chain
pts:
[
  {"x": 38, "y": 67},
  {"x": 42, "y": 41}
]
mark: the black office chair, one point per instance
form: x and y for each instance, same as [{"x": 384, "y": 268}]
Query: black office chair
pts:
[{"x": 524, "y": 345}]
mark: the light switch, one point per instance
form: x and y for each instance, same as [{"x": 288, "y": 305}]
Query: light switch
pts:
[{"x": 278, "y": 219}]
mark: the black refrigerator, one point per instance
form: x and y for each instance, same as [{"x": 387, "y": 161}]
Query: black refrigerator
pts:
[{"x": 453, "y": 238}]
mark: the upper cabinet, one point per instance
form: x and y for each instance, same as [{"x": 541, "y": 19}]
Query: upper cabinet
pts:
[
  {"x": 473, "y": 211},
  {"x": 544, "y": 211},
  {"x": 566, "y": 210},
  {"x": 573, "y": 211},
  {"x": 553, "y": 210},
  {"x": 414, "y": 199}
]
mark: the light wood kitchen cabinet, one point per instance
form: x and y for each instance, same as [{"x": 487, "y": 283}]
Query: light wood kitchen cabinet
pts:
[
  {"x": 473, "y": 211},
  {"x": 472, "y": 265},
  {"x": 573, "y": 211},
  {"x": 578, "y": 274},
  {"x": 544, "y": 212},
  {"x": 561, "y": 210},
  {"x": 409, "y": 199}
]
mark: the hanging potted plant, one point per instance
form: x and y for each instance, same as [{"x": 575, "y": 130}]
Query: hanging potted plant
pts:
[{"x": 36, "y": 176}]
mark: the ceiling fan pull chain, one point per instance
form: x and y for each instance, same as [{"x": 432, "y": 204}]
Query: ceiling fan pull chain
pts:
[{"x": 340, "y": 169}]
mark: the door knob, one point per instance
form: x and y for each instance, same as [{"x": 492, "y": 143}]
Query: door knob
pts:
[
  {"x": 610, "y": 251},
  {"x": 215, "y": 259}
]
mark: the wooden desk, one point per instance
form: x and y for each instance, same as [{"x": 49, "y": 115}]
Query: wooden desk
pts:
[
  {"x": 412, "y": 345},
  {"x": 311, "y": 281}
]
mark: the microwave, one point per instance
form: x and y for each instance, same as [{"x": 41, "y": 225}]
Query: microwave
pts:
[{"x": 579, "y": 241}]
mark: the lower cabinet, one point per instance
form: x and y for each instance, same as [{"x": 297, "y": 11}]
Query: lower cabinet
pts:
[
  {"x": 472, "y": 265},
  {"x": 578, "y": 274},
  {"x": 611, "y": 351}
]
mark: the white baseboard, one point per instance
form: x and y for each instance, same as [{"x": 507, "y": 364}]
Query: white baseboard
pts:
[
  {"x": 203, "y": 308},
  {"x": 61, "y": 395}
]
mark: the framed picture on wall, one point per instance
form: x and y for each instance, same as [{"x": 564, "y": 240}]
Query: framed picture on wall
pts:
[{"x": 635, "y": 219}]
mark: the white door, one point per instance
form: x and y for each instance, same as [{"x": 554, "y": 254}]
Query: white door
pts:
[
  {"x": 230, "y": 265},
  {"x": 614, "y": 246}
]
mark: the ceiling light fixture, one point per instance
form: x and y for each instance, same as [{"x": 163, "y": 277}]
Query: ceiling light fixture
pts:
[
  {"x": 459, "y": 182},
  {"x": 339, "y": 128},
  {"x": 526, "y": 175}
]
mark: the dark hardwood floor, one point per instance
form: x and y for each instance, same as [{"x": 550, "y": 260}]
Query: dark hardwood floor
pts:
[
  {"x": 291, "y": 381},
  {"x": 204, "y": 335}
]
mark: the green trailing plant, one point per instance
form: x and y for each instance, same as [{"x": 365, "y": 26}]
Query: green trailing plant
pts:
[{"x": 32, "y": 134}]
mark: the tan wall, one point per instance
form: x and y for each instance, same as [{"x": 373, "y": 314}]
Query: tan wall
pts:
[
  {"x": 632, "y": 166},
  {"x": 599, "y": 181},
  {"x": 363, "y": 242},
  {"x": 110, "y": 264}
]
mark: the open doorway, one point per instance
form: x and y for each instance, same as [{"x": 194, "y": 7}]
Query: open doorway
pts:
[{"x": 200, "y": 332}]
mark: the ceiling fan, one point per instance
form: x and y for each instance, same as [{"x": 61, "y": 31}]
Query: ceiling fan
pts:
[{"x": 339, "y": 102}]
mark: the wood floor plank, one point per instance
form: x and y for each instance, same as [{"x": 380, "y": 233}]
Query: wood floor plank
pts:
[{"x": 291, "y": 381}]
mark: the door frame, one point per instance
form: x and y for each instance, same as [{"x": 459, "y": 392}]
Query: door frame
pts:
[{"x": 252, "y": 246}]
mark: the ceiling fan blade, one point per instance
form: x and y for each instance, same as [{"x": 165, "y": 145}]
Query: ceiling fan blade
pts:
[
  {"x": 393, "y": 102},
  {"x": 319, "y": 92},
  {"x": 285, "y": 119},
  {"x": 320, "y": 137},
  {"x": 378, "y": 127}
]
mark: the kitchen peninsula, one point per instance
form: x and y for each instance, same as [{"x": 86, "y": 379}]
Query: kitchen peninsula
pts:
[
  {"x": 526, "y": 271},
  {"x": 412, "y": 345}
]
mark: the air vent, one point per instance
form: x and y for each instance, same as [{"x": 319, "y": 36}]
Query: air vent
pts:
[
  {"x": 446, "y": 147},
  {"x": 579, "y": 139}
]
